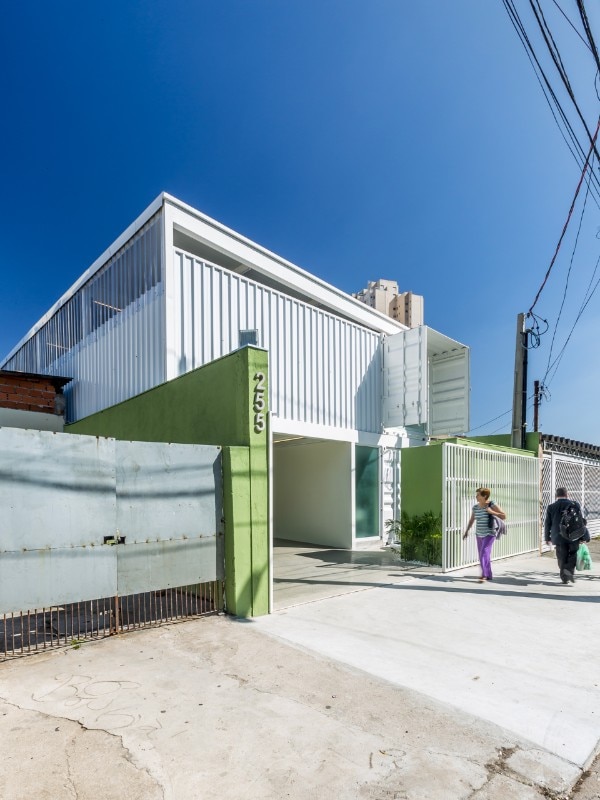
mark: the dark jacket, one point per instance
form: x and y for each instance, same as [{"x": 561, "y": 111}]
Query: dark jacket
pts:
[{"x": 553, "y": 515}]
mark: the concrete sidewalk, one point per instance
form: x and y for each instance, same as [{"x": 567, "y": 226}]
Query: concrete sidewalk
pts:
[
  {"x": 422, "y": 688},
  {"x": 520, "y": 651}
]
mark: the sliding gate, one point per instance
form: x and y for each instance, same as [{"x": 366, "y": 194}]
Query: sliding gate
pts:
[
  {"x": 514, "y": 480},
  {"x": 101, "y": 536}
]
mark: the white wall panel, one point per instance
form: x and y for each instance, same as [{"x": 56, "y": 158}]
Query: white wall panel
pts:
[
  {"x": 116, "y": 362},
  {"x": 322, "y": 472},
  {"x": 109, "y": 335},
  {"x": 323, "y": 370}
]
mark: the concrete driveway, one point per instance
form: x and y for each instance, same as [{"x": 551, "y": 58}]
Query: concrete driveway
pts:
[
  {"x": 520, "y": 652},
  {"x": 303, "y": 573},
  {"x": 426, "y": 686}
]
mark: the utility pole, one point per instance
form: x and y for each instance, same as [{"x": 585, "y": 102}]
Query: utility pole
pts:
[{"x": 519, "y": 417}]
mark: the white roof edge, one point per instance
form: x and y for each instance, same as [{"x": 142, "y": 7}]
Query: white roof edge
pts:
[
  {"x": 447, "y": 339},
  {"x": 138, "y": 223},
  {"x": 363, "y": 313},
  {"x": 354, "y": 308}
]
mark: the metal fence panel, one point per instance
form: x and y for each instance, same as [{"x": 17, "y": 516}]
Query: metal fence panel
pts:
[
  {"x": 56, "y": 490},
  {"x": 39, "y": 579},
  {"x": 149, "y": 566},
  {"x": 169, "y": 509},
  {"x": 515, "y": 484},
  {"x": 67, "y": 499},
  {"x": 580, "y": 477},
  {"x": 167, "y": 491}
]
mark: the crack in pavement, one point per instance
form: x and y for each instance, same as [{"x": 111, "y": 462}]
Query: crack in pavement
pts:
[
  {"x": 72, "y": 783},
  {"x": 126, "y": 753}
]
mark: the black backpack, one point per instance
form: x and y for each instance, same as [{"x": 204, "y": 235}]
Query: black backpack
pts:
[{"x": 572, "y": 523}]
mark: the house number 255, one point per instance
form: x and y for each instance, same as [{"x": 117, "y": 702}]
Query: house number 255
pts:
[{"x": 258, "y": 405}]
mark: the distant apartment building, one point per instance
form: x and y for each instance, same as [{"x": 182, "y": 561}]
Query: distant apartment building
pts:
[{"x": 384, "y": 296}]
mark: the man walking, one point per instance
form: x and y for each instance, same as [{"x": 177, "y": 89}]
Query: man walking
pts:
[{"x": 566, "y": 550}]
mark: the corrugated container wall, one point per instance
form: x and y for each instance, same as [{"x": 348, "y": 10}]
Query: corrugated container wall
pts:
[
  {"x": 322, "y": 369},
  {"x": 109, "y": 336}
]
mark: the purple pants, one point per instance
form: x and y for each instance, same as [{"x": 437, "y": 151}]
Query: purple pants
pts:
[{"x": 484, "y": 548}]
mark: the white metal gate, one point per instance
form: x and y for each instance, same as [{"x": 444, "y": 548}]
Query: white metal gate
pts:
[
  {"x": 515, "y": 484},
  {"x": 580, "y": 477},
  {"x": 390, "y": 488}
]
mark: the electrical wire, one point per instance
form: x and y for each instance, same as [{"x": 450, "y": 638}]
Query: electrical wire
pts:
[
  {"x": 587, "y": 297},
  {"x": 534, "y": 335},
  {"x": 588, "y": 32},
  {"x": 501, "y": 428},
  {"x": 556, "y": 58},
  {"x": 572, "y": 25},
  {"x": 564, "y": 297},
  {"x": 547, "y": 90},
  {"x": 489, "y": 422},
  {"x": 566, "y": 225}
]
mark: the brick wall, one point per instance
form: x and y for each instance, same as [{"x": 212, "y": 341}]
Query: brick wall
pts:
[{"x": 27, "y": 393}]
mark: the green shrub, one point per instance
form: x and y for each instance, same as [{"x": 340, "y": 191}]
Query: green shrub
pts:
[{"x": 420, "y": 537}]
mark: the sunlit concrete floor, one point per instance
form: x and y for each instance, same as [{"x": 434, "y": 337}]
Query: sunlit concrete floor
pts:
[
  {"x": 509, "y": 651},
  {"x": 303, "y": 573}
]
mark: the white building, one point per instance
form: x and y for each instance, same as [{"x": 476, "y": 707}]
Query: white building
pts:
[
  {"x": 383, "y": 295},
  {"x": 349, "y": 386}
]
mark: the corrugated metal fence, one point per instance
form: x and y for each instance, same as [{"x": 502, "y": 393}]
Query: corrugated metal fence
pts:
[
  {"x": 100, "y": 536},
  {"x": 514, "y": 480}
]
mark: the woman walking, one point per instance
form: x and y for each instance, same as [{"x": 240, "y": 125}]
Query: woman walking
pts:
[{"x": 482, "y": 511}]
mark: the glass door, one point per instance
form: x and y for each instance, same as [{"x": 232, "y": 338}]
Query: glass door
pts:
[{"x": 366, "y": 472}]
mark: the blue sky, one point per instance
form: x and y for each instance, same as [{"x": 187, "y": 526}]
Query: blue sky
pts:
[{"x": 359, "y": 140}]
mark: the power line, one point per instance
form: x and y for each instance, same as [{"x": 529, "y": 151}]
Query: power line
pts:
[
  {"x": 566, "y": 225},
  {"x": 489, "y": 422},
  {"x": 564, "y": 297},
  {"x": 548, "y": 91},
  {"x": 572, "y": 25},
  {"x": 529, "y": 407},
  {"x": 588, "y": 32},
  {"x": 556, "y": 58},
  {"x": 584, "y": 304}
]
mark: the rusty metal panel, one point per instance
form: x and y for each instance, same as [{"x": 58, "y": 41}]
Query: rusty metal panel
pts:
[{"x": 167, "y": 491}]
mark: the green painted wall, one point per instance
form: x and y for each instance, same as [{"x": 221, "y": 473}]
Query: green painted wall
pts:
[
  {"x": 498, "y": 442},
  {"x": 422, "y": 470},
  {"x": 421, "y": 479},
  {"x": 222, "y": 403},
  {"x": 532, "y": 441}
]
